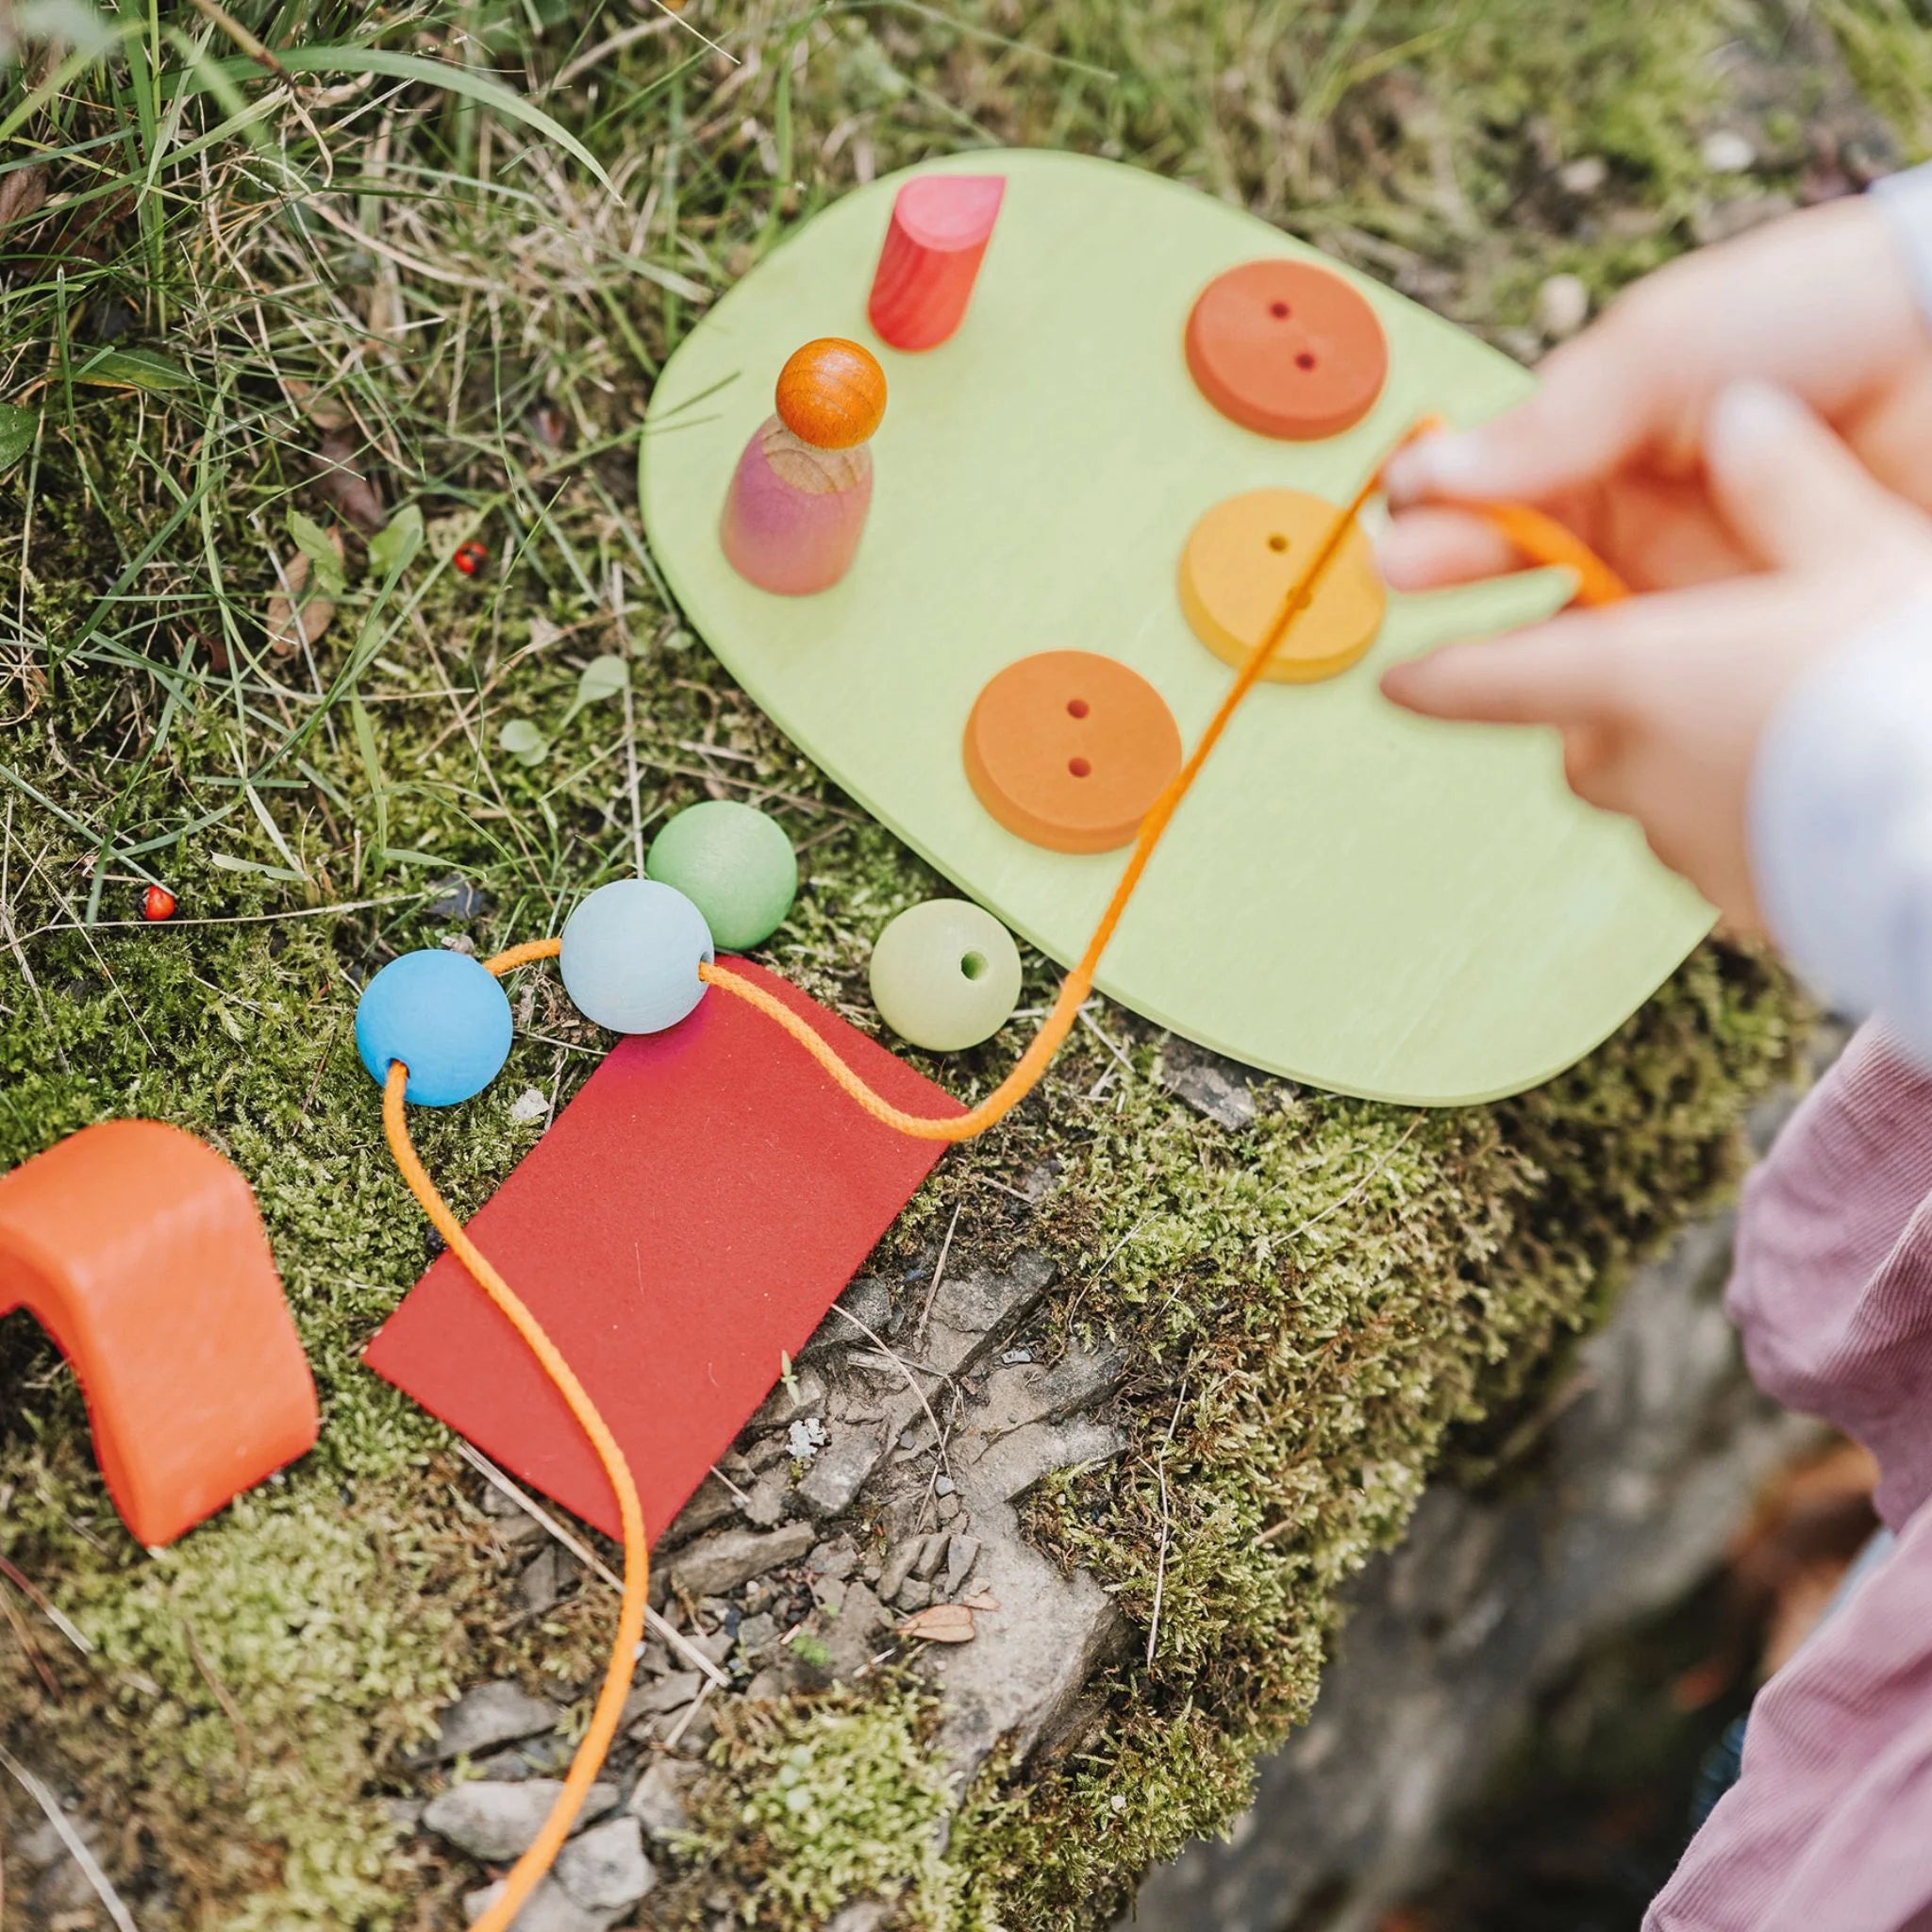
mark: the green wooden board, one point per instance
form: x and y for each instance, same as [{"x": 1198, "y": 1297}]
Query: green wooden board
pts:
[{"x": 1349, "y": 896}]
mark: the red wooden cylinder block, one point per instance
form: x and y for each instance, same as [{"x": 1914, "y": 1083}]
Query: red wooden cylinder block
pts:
[{"x": 940, "y": 228}]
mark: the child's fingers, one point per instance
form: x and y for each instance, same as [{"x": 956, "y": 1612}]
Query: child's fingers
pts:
[
  {"x": 1559, "y": 674},
  {"x": 1594, "y": 410},
  {"x": 1430, "y": 549},
  {"x": 1796, "y": 497}
]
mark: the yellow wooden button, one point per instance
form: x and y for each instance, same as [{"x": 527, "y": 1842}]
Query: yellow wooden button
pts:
[{"x": 1243, "y": 559}]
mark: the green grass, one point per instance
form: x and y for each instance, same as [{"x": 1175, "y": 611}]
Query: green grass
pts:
[{"x": 239, "y": 270}]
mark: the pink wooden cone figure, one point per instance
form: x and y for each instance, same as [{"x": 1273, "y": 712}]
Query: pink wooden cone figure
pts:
[
  {"x": 796, "y": 507},
  {"x": 940, "y": 225}
]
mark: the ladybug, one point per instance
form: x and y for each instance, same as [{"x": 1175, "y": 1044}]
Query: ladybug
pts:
[
  {"x": 470, "y": 556},
  {"x": 158, "y": 902}
]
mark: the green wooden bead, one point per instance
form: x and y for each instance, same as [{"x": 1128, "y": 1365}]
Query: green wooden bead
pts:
[
  {"x": 945, "y": 975},
  {"x": 734, "y": 864}
]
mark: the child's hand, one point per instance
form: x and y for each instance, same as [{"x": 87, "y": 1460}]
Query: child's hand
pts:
[
  {"x": 1662, "y": 700},
  {"x": 1819, "y": 304}
]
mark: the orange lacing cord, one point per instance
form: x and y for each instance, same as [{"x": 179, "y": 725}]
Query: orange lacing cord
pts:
[
  {"x": 529, "y": 1870},
  {"x": 1541, "y": 539}
]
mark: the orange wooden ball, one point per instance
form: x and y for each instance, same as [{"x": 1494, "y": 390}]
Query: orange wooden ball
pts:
[{"x": 831, "y": 393}]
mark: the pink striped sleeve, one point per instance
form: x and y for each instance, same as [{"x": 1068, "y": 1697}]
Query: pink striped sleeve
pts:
[{"x": 1832, "y": 1289}]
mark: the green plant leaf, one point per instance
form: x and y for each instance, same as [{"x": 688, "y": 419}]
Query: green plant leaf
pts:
[
  {"x": 133, "y": 369},
  {"x": 524, "y": 742},
  {"x": 457, "y": 81},
  {"x": 17, "y": 429},
  {"x": 318, "y": 546},
  {"x": 603, "y": 678},
  {"x": 393, "y": 548}
]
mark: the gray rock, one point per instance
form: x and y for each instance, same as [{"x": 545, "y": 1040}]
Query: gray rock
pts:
[
  {"x": 489, "y": 1715},
  {"x": 710, "y": 1504},
  {"x": 870, "y": 1300},
  {"x": 456, "y": 899},
  {"x": 671, "y": 1692},
  {"x": 899, "y": 1562},
  {"x": 658, "y": 1804},
  {"x": 728, "y": 1557},
  {"x": 494, "y": 1821},
  {"x": 765, "y": 1503},
  {"x": 538, "y": 1587},
  {"x": 756, "y": 1635},
  {"x": 835, "y": 1559},
  {"x": 548, "y": 1908},
  {"x": 1211, "y": 1085},
  {"x": 963, "y": 1552},
  {"x": 1584, "y": 177},
  {"x": 930, "y": 1553},
  {"x": 914, "y": 1594},
  {"x": 978, "y": 1300},
  {"x": 839, "y": 1471},
  {"x": 849, "y": 1637},
  {"x": 1728, "y": 152},
  {"x": 606, "y": 1870}
]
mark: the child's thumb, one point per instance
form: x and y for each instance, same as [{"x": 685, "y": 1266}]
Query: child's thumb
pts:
[{"x": 1793, "y": 495}]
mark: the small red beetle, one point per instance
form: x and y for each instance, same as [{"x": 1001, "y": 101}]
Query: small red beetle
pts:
[
  {"x": 158, "y": 902},
  {"x": 470, "y": 556}
]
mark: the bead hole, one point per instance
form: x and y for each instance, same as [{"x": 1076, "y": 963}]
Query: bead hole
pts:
[
  {"x": 1278, "y": 310},
  {"x": 1078, "y": 707},
  {"x": 973, "y": 965},
  {"x": 1305, "y": 360},
  {"x": 1080, "y": 767},
  {"x": 1278, "y": 542}
]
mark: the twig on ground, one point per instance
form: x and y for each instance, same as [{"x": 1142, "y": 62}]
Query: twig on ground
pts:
[
  {"x": 76, "y": 1846},
  {"x": 1160, "y": 1560},
  {"x": 588, "y": 1558}
]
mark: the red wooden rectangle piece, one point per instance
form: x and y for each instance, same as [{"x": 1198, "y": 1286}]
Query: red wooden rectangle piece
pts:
[{"x": 690, "y": 1214}]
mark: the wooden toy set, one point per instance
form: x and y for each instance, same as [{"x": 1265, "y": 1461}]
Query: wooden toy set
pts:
[{"x": 1061, "y": 574}]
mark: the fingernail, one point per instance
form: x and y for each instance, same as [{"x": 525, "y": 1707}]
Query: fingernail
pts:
[
  {"x": 1747, "y": 414},
  {"x": 1441, "y": 465}
]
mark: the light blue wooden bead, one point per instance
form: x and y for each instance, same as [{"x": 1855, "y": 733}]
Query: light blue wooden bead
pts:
[
  {"x": 630, "y": 956},
  {"x": 444, "y": 1016}
]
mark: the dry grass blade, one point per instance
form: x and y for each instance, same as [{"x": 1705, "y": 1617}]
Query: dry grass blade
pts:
[{"x": 76, "y": 1846}]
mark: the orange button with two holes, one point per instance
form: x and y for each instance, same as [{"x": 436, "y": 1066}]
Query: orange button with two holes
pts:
[
  {"x": 1244, "y": 559},
  {"x": 1069, "y": 749},
  {"x": 1287, "y": 349}
]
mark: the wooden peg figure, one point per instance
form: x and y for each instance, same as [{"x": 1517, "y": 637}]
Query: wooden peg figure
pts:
[{"x": 796, "y": 507}]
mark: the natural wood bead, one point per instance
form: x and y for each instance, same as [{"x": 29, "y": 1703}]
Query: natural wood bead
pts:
[{"x": 832, "y": 393}]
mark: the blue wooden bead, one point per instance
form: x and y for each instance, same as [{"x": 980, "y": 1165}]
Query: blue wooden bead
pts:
[
  {"x": 630, "y": 956},
  {"x": 444, "y": 1016}
]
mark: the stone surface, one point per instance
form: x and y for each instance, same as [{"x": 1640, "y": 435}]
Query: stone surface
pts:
[
  {"x": 1654, "y": 1453},
  {"x": 489, "y": 1715},
  {"x": 605, "y": 1869},
  {"x": 548, "y": 1908},
  {"x": 658, "y": 1804},
  {"x": 1211, "y": 1085},
  {"x": 494, "y": 1821},
  {"x": 728, "y": 1557}
]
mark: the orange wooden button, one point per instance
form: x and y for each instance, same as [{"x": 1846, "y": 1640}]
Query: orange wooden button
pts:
[
  {"x": 1287, "y": 348},
  {"x": 1244, "y": 559},
  {"x": 1069, "y": 749}
]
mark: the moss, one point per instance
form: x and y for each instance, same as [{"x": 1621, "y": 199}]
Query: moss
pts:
[{"x": 833, "y": 1798}]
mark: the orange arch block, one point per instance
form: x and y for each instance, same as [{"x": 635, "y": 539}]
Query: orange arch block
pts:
[{"x": 138, "y": 1249}]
